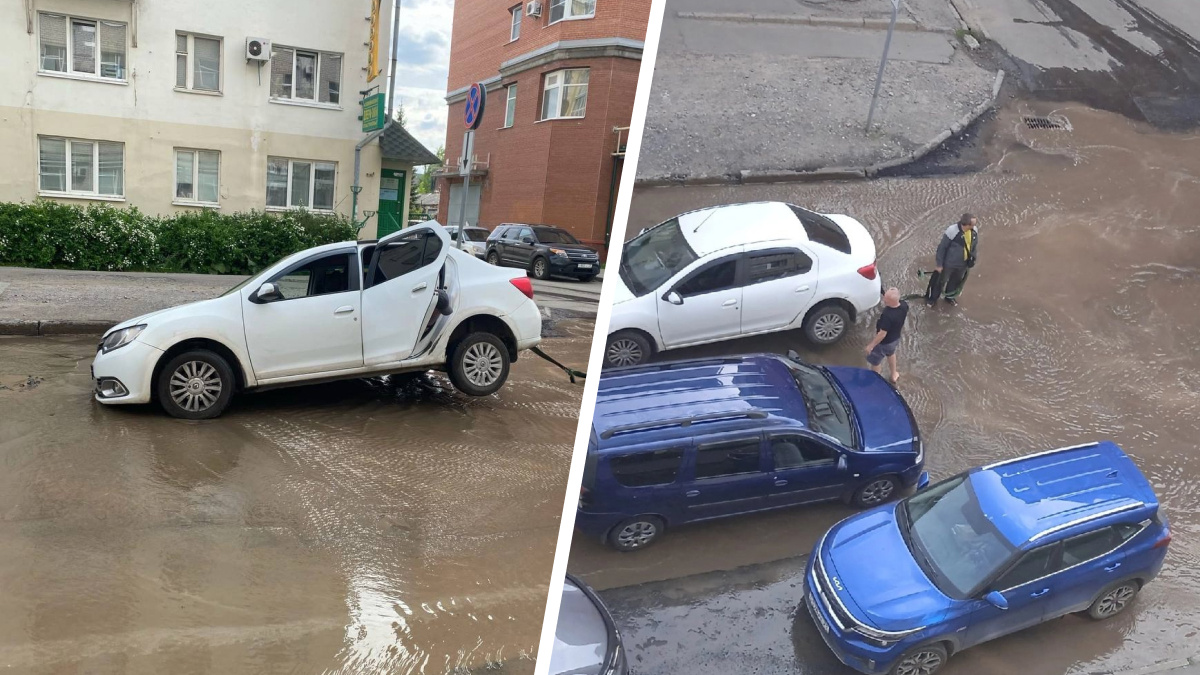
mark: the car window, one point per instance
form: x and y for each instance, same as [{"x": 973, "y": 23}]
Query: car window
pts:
[
  {"x": 552, "y": 235},
  {"x": 718, "y": 277},
  {"x": 498, "y": 233},
  {"x": 1087, "y": 546},
  {"x": 654, "y": 256},
  {"x": 776, "y": 264},
  {"x": 476, "y": 234},
  {"x": 1033, "y": 565},
  {"x": 727, "y": 459},
  {"x": 790, "y": 452},
  {"x": 658, "y": 467},
  {"x": 822, "y": 230},
  {"x": 406, "y": 254},
  {"x": 323, "y": 276},
  {"x": 524, "y": 232},
  {"x": 1126, "y": 531}
]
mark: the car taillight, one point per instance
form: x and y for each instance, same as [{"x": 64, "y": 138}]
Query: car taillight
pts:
[
  {"x": 583, "y": 497},
  {"x": 868, "y": 271},
  {"x": 524, "y": 285},
  {"x": 1164, "y": 542}
]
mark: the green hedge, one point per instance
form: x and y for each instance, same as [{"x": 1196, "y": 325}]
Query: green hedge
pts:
[{"x": 100, "y": 237}]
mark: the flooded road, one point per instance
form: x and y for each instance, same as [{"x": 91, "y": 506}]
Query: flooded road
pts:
[
  {"x": 1079, "y": 323},
  {"x": 357, "y": 527}
]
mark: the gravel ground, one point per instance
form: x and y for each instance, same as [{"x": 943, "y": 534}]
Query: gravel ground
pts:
[{"x": 716, "y": 115}]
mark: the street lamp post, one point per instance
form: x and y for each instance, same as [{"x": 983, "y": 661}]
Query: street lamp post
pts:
[{"x": 887, "y": 44}]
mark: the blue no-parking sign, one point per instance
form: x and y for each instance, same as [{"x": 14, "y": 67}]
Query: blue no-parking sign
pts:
[{"x": 476, "y": 97}]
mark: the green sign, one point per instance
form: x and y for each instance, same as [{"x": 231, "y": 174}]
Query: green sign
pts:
[{"x": 374, "y": 114}]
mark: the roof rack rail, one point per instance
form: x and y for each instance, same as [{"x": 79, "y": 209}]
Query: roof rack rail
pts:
[
  {"x": 1039, "y": 454},
  {"x": 1095, "y": 516},
  {"x": 682, "y": 422}
]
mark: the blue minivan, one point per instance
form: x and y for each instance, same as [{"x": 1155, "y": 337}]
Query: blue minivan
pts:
[
  {"x": 899, "y": 588},
  {"x": 687, "y": 441}
]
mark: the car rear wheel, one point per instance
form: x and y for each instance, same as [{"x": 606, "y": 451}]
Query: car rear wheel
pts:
[
  {"x": 479, "y": 364},
  {"x": 636, "y": 534},
  {"x": 876, "y": 491},
  {"x": 493, "y": 258},
  {"x": 626, "y": 348},
  {"x": 826, "y": 325},
  {"x": 195, "y": 385},
  {"x": 923, "y": 660},
  {"x": 1113, "y": 600},
  {"x": 541, "y": 268}
]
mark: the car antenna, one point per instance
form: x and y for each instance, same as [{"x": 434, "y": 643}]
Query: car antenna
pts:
[{"x": 701, "y": 224}]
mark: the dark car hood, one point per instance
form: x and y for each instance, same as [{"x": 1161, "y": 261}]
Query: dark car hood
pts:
[
  {"x": 882, "y": 414},
  {"x": 881, "y": 581}
]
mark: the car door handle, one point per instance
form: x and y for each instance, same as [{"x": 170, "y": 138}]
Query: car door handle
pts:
[
  {"x": 692, "y": 493},
  {"x": 345, "y": 309},
  {"x": 729, "y": 303},
  {"x": 780, "y": 482},
  {"x": 1112, "y": 568},
  {"x": 802, "y": 289},
  {"x": 1040, "y": 593},
  {"x": 420, "y": 287}
]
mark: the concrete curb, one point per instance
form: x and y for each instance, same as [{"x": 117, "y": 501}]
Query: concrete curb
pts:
[
  {"x": 907, "y": 25},
  {"x": 32, "y": 328},
  {"x": 749, "y": 176},
  {"x": 969, "y": 15}
]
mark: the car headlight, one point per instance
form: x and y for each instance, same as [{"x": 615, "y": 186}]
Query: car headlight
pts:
[
  {"x": 558, "y": 251},
  {"x": 120, "y": 338},
  {"x": 920, "y": 451},
  {"x": 884, "y": 638}
]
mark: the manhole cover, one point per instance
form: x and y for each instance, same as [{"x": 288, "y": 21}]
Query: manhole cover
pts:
[{"x": 1049, "y": 122}]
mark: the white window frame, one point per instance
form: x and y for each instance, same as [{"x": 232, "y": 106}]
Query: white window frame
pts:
[
  {"x": 561, "y": 86},
  {"x": 514, "y": 26},
  {"x": 510, "y": 106},
  {"x": 195, "y": 200},
  {"x": 94, "y": 193},
  {"x": 315, "y": 101},
  {"x": 567, "y": 15},
  {"x": 190, "y": 56},
  {"x": 312, "y": 184},
  {"x": 69, "y": 60}
]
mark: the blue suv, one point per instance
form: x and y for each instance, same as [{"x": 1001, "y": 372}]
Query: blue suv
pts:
[
  {"x": 900, "y": 588},
  {"x": 686, "y": 441}
]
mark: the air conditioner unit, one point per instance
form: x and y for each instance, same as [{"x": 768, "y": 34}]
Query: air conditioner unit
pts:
[
  {"x": 258, "y": 49},
  {"x": 533, "y": 9}
]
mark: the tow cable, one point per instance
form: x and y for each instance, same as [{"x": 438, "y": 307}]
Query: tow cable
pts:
[
  {"x": 925, "y": 296},
  {"x": 571, "y": 373}
]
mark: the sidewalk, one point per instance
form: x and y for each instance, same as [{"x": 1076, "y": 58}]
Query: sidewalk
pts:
[
  {"x": 780, "y": 89},
  {"x": 48, "y": 302}
]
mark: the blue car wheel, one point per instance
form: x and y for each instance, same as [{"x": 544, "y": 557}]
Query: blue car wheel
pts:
[{"x": 923, "y": 660}]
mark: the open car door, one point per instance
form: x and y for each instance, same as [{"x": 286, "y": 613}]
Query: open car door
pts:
[{"x": 400, "y": 291}]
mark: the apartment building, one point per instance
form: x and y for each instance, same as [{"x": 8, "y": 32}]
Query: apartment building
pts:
[
  {"x": 560, "y": 77},
  {"x": 172, "y": 105}
]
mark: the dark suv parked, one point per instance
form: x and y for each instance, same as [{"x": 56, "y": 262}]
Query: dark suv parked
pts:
[{"x": 543, "y": 250}]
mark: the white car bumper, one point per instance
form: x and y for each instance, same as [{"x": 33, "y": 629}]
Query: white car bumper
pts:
[
  {"x": 131, "y": 367},
  {"x": 527, "y": 320}
]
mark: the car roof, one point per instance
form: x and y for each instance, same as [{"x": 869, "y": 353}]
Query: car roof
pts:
[
  {"x": 1031, "y": 499},
  {"x": 719, "y": 227},
  {"x": 681, "y": 399}
]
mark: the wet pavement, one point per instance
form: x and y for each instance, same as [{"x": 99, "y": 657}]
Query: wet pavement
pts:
[
  {"x": 357, "y": 527},
  {"x": 1078, "y": 324}
]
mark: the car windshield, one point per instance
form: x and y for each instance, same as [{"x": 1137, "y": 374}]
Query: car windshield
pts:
[
  {"x": 476, "y": 234},
  {"x": 248, "y": 279},
  {"x": 828, "y": 412},
  {"x": 951, "y": 538},
  {"x": 553, "y": 235},
  {"x": 654, "y": 256}
]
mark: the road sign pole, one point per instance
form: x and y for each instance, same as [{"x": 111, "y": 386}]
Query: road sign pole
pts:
[
  {"x": 887, "y": 44},
  {"x": 464, "y": 169}
]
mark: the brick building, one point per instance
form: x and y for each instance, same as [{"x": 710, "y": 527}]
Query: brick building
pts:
[{"x": 560, "y": 78}]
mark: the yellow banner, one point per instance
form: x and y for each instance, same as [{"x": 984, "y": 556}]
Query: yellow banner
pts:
[{"x": 373, "y": 68}]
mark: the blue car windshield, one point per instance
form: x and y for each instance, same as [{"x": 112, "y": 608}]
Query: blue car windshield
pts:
[
  {"x": 828, "y": 412},
  {"x": 951, "y": 538}
]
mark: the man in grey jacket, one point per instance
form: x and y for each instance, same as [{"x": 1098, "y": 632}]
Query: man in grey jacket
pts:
[{"x": 955, "y": 255}]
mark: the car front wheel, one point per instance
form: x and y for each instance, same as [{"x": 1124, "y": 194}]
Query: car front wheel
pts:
[
  {"x": 826, "y": 325},
  {"x": 541, "y": 268},
  {"x": 196, "y": 385},
  {"x": 479, "y": 364},
  {"x": 876, "y": 491},
  {"x": 493, "y": 258},
  {"x": 923, "y": 660},
  {"x": 626, "y": 348}
]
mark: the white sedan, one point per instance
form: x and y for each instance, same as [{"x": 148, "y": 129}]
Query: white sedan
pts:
[
  {"x": 409, "y": 302},
  {"x": 736, "y": 270}
]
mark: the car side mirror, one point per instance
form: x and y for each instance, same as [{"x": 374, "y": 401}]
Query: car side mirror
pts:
[
  {"x": 793, "y": 355},
  {"x": 997, "y": 600},
  {"x": 268, "y": 292},
  {"x": 673, "y": 298},
  {"x": 842, "y": 464},
  {"x": 526, "y": 240}
]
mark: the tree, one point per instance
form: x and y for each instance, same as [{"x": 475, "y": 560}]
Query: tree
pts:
[{"x": 425, "y": 185}]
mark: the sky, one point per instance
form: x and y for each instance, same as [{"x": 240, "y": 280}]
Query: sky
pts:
[{"x": 422, "y": 63}]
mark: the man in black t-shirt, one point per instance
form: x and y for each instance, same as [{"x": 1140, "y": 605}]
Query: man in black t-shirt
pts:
[{"x": 887, "y": 333}]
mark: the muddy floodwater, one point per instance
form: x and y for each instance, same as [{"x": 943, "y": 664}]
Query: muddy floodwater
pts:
[
  {"x": 1080, "y": 322},
  {"x": 359, "y": 527}
]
